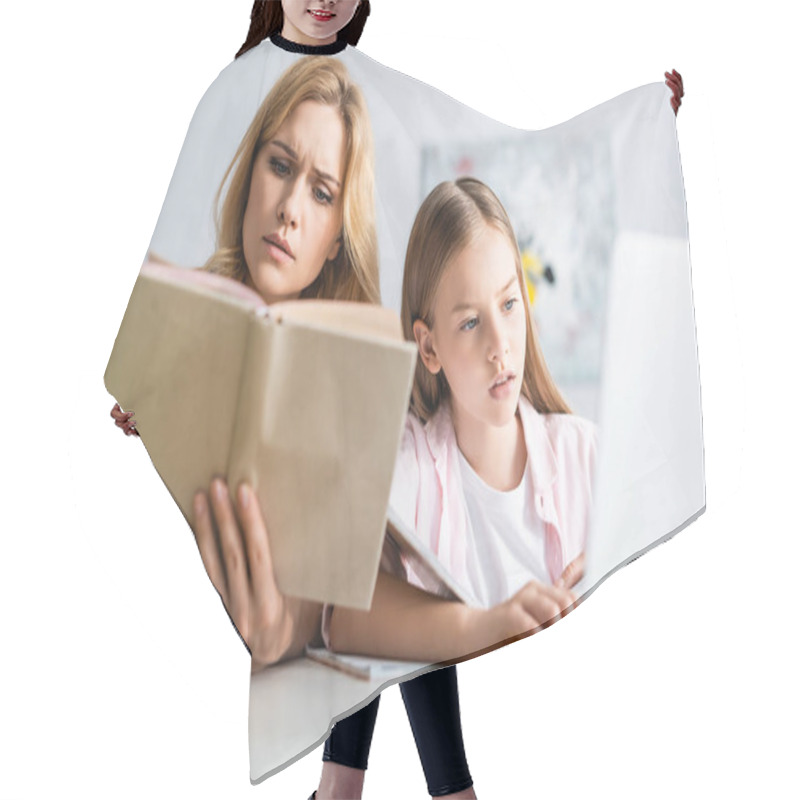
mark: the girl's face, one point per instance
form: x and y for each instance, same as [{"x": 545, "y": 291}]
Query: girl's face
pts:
[
  {"x": 316, "y": 22},
  {"x": 293, "y": 218},
  {"x": 478, "y": 333}
]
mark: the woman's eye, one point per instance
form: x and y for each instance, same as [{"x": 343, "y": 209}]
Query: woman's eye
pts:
[
  {"x": 510, "y": 303},
  {"x": 469, "y": 324},
  {"x": 280, "y": 168},
  {"x": 321, "y": 196}
]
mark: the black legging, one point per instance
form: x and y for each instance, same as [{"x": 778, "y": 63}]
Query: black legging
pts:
[{"x": 432, "y": 706}]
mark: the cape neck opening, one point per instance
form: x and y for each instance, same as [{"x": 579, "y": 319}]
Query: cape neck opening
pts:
[{"x": 308, "y": 49}]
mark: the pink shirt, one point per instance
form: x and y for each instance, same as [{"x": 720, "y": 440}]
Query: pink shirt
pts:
[{"x": 428, "y": 495}]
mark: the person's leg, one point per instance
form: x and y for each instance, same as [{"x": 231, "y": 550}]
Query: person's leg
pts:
[
  {"x": 346, "y": 754},
  {"x": 433, "y": 711}
]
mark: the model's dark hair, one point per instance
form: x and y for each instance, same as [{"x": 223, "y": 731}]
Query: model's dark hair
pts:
[{"x": 266, "y": 19}]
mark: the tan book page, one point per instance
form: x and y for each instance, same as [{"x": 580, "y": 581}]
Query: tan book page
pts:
[
  {"x": 177, "y": 363},
  {"x": 318, "y": 442}
]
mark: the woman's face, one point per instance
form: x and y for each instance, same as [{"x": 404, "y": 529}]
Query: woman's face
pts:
[
  {"x": 293, "y": 219},
  {"x": 316, "y": 22},
  {"x": 478, "y": 333}
]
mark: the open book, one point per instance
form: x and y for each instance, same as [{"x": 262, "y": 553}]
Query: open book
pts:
[
  {"x": 305, "y": 400},
  {"x": 421, "y": 565}
]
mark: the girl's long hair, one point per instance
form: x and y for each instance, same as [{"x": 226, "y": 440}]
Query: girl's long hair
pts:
[
  {"x": 353, "y": 274},
  {"x": 266, "y": 19},
  {"x": 449, "y": 220}
]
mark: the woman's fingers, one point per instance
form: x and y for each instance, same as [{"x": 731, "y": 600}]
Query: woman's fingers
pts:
[
  {"x": 272, "y": 616},
  {"x": 256, "y": 545},
  {"x": 119, "y": 415},
  {"x": 674, "y": 81},
  {"x": 124, "y": 420},
  {"x": 233, "y": 557},
  {"x": 675, "y": 78},
  {"x": 129, "y": 427},
  {"x": 207, "y": 545},
  {"x": 234, "y": 546}
]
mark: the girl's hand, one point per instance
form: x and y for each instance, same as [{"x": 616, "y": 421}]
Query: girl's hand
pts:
[
  {"x": 124, "y": 420},
  {"x": 237, "y": 558},
  {"x": 533, "y": 607},
  {"x": 675, "y": 82},
  {"x": 573, "y": 573}
]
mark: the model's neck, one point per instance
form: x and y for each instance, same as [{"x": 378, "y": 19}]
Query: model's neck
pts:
[
  {"x": 315, "y": 48},
  {"x": 497, "y": 454}
]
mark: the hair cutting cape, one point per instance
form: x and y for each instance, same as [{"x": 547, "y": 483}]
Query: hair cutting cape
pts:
[{"x": 598, "y": 209}]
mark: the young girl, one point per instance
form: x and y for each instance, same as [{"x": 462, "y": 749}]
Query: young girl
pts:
[
  {"x": 494, "y": 474},
  {"x": 487, "y": 418}
]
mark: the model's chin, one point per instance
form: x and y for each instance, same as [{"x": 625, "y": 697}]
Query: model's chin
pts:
[
  {"x": 501, "y": 413},
  {"x": 268, "y": 281},
  {"x": 507, "y": 417}
]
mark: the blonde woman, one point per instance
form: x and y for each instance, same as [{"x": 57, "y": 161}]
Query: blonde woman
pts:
[
  {"x": 303, "y": 175},
  {"x": 295, "y": 220},
  {"x": 296, "y": 209}
]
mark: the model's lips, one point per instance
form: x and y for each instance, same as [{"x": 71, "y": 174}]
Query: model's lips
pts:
[
  {"x": 279, "y": 248},
  {"x": 503, "y": 384},
  {"x": 322, "y": 16}
]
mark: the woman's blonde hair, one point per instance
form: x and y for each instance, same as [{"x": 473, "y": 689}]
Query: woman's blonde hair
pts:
[
  {"x": 449, "y": 220},
  {"x": 353, "y": 274}
]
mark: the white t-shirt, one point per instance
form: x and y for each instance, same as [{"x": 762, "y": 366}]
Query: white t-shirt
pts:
[{"x": 502, "y": 554}]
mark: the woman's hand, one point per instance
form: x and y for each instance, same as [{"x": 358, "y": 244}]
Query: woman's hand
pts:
[
  {"x": 237, "y": 557},
  {"x": 124, "y": 420},
  {"x": 675, "y": 82}
]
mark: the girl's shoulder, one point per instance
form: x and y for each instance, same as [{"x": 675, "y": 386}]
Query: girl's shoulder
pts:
[
  {"x": 566, "y": 433},
  {"x": 416, "y": 437},
  {"x": 570, "y": 425},
  {"x": 572, "y": 445}
]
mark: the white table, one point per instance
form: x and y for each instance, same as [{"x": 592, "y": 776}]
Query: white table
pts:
[{"x": 293, "y": 706}]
